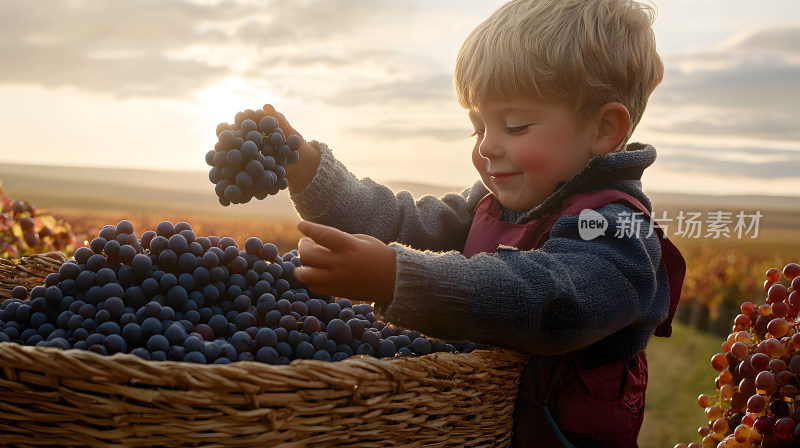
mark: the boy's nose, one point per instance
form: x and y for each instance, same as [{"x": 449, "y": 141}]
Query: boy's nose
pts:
[{"x": 490, "y": 147}]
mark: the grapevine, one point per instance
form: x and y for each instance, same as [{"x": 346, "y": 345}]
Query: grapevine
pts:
[
  {"x": 25, "y": 231},
  {"x": 757, "y": 399}
]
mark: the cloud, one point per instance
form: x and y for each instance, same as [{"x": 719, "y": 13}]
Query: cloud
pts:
[
  {"x": 170, "y": 49},
  {"x": 764, "y": 125},
  {"x": 784, "y": 41},
  {"x": 295, "y": 22},
  {"x": 749, "y": 86},
  {"x": 739, "y": 163},
  {"x": 389, "y": 132},
  {"x": 765, "y": 86},
  {"x": 430, "y": 89}
]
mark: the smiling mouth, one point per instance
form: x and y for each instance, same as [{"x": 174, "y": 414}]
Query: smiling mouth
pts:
[{"x": 502, "y": 177}]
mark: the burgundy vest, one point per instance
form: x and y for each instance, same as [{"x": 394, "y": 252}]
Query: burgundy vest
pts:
[{"x": 560, "y": 403}]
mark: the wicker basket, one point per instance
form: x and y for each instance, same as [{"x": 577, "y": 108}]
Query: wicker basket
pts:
[
  {"x": 50, "y": 397},
  {"x": 78, "y": 398},
  {"x": 27, "y": 271}
]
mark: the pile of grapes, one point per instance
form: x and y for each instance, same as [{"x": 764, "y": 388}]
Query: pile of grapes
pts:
[
  {"x": 23, "y": 231},
  {"x": 249, "y": 158},
  {"x": 170, "y": 295},
  {"x": 758, "y": 389}
]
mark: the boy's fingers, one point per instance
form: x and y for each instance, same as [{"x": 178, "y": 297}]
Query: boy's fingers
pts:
[
  {"x": 315, "y": 278},
  {"x": 330, "y": 237},
  {"x": 283, "y": 123},
  {"x": 312, "y": 254}
]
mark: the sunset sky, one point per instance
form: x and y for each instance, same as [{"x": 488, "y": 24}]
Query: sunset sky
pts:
[{"x": 142, "y": 84}]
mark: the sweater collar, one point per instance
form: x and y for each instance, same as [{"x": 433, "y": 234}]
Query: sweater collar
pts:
[{"x": 621, "y": 170}]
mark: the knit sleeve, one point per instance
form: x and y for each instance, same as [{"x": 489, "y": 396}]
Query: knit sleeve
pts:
[
  {"x": 568, "y": 295},
  {"x": 335, "y": 197}
]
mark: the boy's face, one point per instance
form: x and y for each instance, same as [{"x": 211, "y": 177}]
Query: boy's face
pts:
[{"x": 524, "y": 148}]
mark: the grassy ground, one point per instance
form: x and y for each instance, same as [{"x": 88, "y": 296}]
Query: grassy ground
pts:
[{"x": 680, "y": 370}]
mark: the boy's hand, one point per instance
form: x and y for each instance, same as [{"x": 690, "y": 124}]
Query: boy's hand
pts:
[
  {"x": 343, "y": 265},
  {"x": 301, "y": 173}
]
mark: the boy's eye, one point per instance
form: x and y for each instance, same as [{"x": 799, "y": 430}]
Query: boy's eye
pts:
[
  {"x": 477, "y": 133},
  {"x": 516, "y": 130}
]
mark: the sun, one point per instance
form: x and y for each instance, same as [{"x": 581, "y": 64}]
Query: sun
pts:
[{"x": 221, "y": 101}]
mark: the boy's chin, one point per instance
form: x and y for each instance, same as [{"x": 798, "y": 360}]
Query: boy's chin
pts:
[{"x": 516, "y": 204}]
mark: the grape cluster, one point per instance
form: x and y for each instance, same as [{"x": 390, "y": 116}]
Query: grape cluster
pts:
[
  {"x": 170, "y": 295},
  {"x": 758, "y": 400},
  {"x": 25, "y": 231},
  {"x": 250, "y": 157}
]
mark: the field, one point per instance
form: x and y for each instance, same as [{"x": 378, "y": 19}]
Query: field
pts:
[{"x": 721, "y": 272}]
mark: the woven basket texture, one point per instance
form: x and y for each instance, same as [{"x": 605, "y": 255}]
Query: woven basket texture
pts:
[
  {"x": 50, "y": 397},
  {"x": 27, "y": 271}
]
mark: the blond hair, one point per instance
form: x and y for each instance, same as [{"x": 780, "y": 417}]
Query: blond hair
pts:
[{"x": 583, "y": 53}]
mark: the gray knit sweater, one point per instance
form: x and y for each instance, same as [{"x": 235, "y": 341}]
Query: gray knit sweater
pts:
[{"x": 607, "y": 294}]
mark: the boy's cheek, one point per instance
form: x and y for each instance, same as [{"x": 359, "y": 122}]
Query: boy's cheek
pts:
[{"x": 533, "y": 162}]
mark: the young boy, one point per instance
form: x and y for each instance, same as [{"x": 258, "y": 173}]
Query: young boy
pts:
[{"x": 554, "y": 89}]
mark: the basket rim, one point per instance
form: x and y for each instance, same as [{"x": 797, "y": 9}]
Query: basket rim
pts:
[{"x": 477, "y": 356}]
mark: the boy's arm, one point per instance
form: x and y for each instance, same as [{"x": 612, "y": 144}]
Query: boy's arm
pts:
[
  {"x": 335, "y": 197},
  {"x": 324, "y": 191},
  {"x": 567, "y": 296}
]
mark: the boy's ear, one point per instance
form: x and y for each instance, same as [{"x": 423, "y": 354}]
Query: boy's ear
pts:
[{"x": 613, "y": 122}]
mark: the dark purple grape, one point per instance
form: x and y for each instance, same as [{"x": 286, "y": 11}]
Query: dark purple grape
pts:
[
  {"x": 108, "y": 328},
  {"x": 304, "y": 350},
  {"x": 266, "y": 337},
  {"x": 402, "y": 341},
  {"x": 294, "y": 338},
  {"x": 365, "y": 349},
  {"x": 288, "y": 322},
  {"x": 241, "y": 341},
  {"x": 141, "y": 264},
  {"x": 114, "y": 343},
  {"x": 245, "y": 320},
  {"x": 157, "y": 342},
  {"x": 421, "y": 346},
  {"x": 210, "y": 260},
  {"x": 347, "y": 314},
  {"x": 195, "y": 357},
  {"x": 320, "y": 341},
  {"x": 356, "y": 327},
  {"x": 175, "y": 334},
  {"x": 331, "y": 311},
  {"x": 241, "y": 303},
  {"x": 115, "y": 306},
  {"x": 151, "y": 326},
  {"x": 95, "y": 339},
  {"x": 165, "y": 229},
  {"x": 218, "y": 323},
  {"x": 386, "y": 349},
  {"x": 132, "y": 333},
  {"x": 339, "y": 331},
  {"x": 388, "y": 330},
  {"x": 372, "y": 338},
  {"x": 267, "y": 355},
  {"x": 111, "y": 249},
  {"x": 311, "y": 325},
  {"x": 322, "y": 355},
  {"x": 284, "y": 349},
  {"x": 67, "y": 271}
]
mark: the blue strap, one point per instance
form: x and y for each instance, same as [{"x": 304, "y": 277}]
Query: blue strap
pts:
[{"x": 556, "y": 429}]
